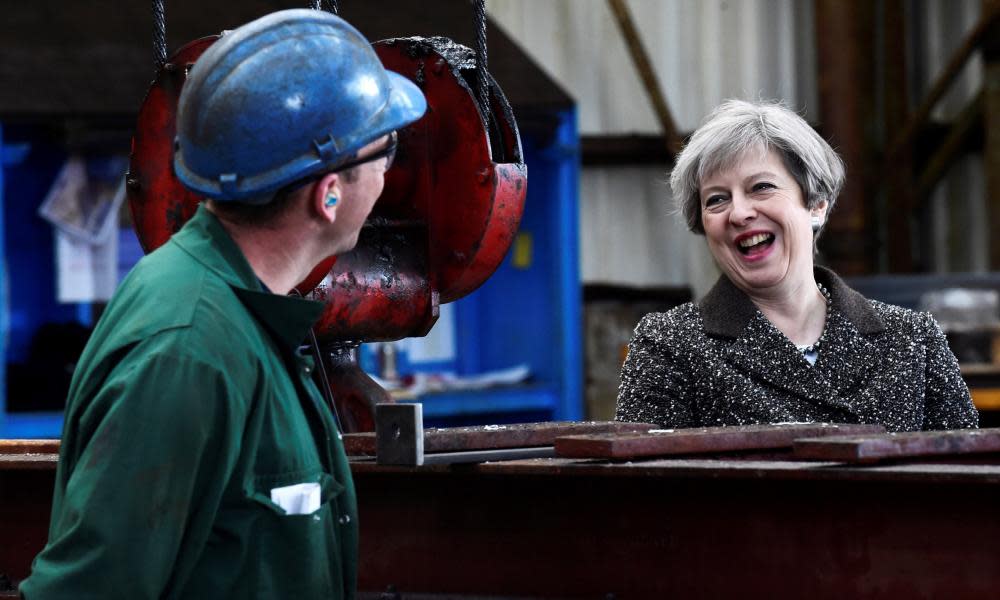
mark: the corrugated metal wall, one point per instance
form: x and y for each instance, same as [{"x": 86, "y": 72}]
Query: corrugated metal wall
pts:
[{"x": 705, "y": 51}]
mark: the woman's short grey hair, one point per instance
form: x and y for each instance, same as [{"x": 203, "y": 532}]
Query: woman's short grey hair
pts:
[{"x": 737, "y": 127}]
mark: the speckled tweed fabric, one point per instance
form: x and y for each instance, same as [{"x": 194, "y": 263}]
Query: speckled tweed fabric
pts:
[{"x": 721, "y": 362}]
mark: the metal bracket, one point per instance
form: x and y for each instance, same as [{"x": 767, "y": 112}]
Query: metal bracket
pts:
[{"x": 399, "y": 434}]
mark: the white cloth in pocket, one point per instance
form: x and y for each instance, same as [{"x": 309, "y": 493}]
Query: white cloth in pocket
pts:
[{"x": 298, "y": 499}]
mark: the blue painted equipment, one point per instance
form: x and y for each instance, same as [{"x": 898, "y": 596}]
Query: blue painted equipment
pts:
[{"x": 302, "y": 85}]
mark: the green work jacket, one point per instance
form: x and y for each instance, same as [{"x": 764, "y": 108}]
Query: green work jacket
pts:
[{"x": 190, "y": 404}]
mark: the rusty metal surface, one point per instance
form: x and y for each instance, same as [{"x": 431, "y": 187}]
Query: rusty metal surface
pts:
[
  {"x": 732, "y": 467},
  {"x": 29, "y": 447},
  {"x": 25, "y": 504},
  {"x": 34, "y": 462},
  {"x": 468, "y": 532},
  {"x": 459, "y": 171},
  {"x": 28, "y": 455},
  {"x": 379, "y": 290},
  {"x": 489, "y": 437},
  {"x": 645, "y": 529},
  {"x": 354, "y": 392},
  {"x": 873, "y": 448},
  {"x": 663, "y": 442}
]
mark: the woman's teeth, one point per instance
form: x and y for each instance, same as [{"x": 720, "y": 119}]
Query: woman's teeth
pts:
[{"x": 747, "y": 243}]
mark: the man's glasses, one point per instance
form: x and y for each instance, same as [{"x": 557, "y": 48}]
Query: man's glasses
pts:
[{"x": 388, "y": 153}]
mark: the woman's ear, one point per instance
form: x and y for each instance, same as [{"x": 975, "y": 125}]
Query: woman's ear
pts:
[{"x": 817, "y": 215}]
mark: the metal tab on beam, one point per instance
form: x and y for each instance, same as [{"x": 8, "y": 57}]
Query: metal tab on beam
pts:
[{"x": 399, "y": 434}]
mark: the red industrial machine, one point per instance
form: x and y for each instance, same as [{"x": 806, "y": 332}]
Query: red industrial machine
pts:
[{"x": 451, "y": 206}]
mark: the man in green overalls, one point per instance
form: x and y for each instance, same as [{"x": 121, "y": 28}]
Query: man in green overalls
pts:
[{"x": 198, "y": 458}]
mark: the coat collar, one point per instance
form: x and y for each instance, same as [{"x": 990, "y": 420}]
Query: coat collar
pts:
[
  {"x": 288, "y": 319},
  {"x": 726, "y": 310}
]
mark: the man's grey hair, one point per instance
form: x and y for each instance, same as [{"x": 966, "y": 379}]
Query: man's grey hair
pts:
[{"x": 737, "y": 127}]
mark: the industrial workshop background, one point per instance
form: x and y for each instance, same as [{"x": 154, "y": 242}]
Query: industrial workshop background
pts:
[{"x": 604, "y": 91}]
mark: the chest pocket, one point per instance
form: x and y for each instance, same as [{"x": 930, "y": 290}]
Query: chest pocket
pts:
[
  {"x": 295, "y": 555},
  {"x": 294, "y": 548},
  {"x": 277, "y": 492}
]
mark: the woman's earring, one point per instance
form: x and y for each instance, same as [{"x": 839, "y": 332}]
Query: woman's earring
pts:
[
  {"x": 331, "y": 200},
  {"x": 816, "y": 222}
]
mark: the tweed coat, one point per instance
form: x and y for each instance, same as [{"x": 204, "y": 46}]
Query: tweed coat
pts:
[{"x": 721, "y": 362}]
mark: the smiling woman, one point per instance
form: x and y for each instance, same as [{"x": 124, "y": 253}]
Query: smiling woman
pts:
[{"x": 778, "y": 339}]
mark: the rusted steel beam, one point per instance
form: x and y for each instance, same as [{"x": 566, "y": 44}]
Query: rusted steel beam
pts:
[
  {"x": 561, "y": 528},
  {"x": 29, "y": 447},
  {"x": 644, "y": 66},
  {"x": 898, "y": 190},
  {"x": 711, "y": 440},
  {"x": 845, "y": 43},
  {"x": 873, "y": 448},
  {"x": 493, "y": 437}
]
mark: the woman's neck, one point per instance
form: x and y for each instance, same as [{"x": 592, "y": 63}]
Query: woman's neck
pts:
[{"x": 798, "y": 311}]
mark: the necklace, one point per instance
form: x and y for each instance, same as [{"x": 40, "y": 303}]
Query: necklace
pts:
[{"x": 814, "y": 347}]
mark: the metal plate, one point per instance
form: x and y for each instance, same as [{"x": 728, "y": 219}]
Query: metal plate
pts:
[
  {"x": 874, "y": 448},
  {"x": 491, "y": 437},
  {"x": 665, "y": 442}
]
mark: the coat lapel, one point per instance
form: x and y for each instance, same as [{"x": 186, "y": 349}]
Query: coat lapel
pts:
[
  {"x": 849, "y": 356},
  {"x": 766, "y": 355},
  {"x": 763, "y": 352}
]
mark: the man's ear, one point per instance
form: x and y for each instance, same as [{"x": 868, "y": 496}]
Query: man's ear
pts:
[{"x": 326, "y": 197}]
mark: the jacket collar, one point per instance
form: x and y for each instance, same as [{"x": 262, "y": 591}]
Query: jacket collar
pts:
[
  {"x": 287, "y": 318},
  {"x": 726, "y": 310}
]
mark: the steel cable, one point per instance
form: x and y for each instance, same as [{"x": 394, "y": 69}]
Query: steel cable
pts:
[
  {"x": 331, "y": 5},
  {"x": 159, "y": 36},
  {"x": 482, "y": 84}
]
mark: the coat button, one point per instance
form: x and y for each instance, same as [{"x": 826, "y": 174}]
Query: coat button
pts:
[
  {"x": 344, "y": 519},
  {"x": 306, "y": 369}
]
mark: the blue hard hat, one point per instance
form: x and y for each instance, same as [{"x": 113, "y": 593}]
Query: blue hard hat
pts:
[{"x": 281, "y": 98}]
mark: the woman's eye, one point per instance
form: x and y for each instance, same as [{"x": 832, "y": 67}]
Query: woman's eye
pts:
[
  {"x": 763, "y": 186},
  {"x": 714, "y": 201}
]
